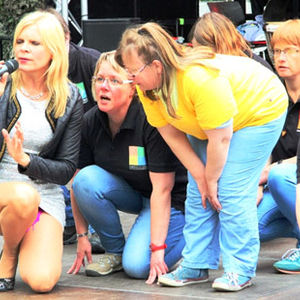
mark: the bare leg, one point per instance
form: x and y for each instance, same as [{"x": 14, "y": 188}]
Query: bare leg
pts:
[
  {"x": 18, "y": 210},
  {"x": 40, "y": 255}
]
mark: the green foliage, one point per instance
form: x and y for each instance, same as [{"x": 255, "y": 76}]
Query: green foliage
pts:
[{"x": 11, "y": 12}]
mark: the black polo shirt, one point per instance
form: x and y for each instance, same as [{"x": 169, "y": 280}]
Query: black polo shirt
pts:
[
  {"x": 134, "y": 151},
  {"x": 82, "y": 62},
  {"x": 286, "y": 146}
]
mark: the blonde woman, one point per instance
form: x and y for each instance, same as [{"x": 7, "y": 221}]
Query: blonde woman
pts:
[
  {"x": 41, "y": 116},
  {"x": 232, "y": 110},
  {"x": 125, "y": 165}
]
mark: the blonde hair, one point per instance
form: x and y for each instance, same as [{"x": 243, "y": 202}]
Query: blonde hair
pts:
[
  {"x": 288, "y": 32},
  {"x": 56, "y": 76},
  {"x": 218, "y": 32},
  {"x": 108, "y": 57},
  {"x": 152, "y": 42}
]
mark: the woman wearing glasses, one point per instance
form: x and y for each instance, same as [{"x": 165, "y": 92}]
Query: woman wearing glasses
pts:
[
  {"x": 232, "y": 109},
  {"x": 126, "y": 166},
  {"x": 276, "y": 212}
]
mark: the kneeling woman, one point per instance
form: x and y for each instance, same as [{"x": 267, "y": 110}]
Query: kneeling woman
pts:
[
  {"x": 126, "y": 165},
  {"x": 40, "y": 118}
]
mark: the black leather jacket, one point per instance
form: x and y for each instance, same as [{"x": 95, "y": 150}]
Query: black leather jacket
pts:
[{"x": 57, "y": 161}]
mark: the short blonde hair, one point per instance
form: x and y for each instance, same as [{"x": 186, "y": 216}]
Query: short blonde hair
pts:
[
  {"x": 288, "y": 32},
  {"x": 108, "y": 57},
  {"x": 53, "y": 39}
]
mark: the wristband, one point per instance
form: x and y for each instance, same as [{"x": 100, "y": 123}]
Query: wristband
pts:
[
  {"x": 154, "y": 248},
  {"x": 82, "y": 234}
]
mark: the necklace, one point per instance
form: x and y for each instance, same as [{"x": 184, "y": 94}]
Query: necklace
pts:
[{"x": 34, "y": 97}]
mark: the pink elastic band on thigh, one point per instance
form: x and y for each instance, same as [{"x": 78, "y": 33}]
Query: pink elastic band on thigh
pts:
[{"x": 40, "y": 211}]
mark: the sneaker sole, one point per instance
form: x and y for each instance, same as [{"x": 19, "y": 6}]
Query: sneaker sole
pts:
[
  {"x": 287, "y": 271},
  {"x": 219, "y": 286},
  {"x": 92, "y": 273},
  {"x": 178, "y": 283}
]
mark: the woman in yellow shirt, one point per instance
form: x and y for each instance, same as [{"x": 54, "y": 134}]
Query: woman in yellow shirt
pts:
[{"x": 221, "y": 115}]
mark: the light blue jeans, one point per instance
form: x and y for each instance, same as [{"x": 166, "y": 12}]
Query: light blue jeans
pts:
[
  {"x": 277, "y": 211},
  {"x": 233, "y": 232},
  {"x": 272, "y": 223},
  {"x": 99, "y": 195}
]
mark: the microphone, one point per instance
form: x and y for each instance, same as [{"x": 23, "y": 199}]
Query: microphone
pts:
[{"x": 10, "y": 66}]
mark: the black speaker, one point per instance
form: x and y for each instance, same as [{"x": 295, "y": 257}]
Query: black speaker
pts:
[{"x": 105, "y": 34}]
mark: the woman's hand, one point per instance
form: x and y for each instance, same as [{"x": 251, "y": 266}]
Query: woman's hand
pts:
[
  {"x": 208, "y": 191},
  {"x": 15, "y": 146},
  {"x": 260, "y": 194},
  {"x": 84, "y": 248},
  {"x": 213, "y": 195},
  {"x": 157, "y": 266},
  {"x": 202, "y": 186}
]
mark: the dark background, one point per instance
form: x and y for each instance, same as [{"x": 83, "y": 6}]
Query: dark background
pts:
[{"x": 166, "y": 12}]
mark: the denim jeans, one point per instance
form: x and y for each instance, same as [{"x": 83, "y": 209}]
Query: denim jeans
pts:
[
  {"x": 282, "y": 185},
  {"x": 272, "y": 223},
  {"x": 233, "y": 232},
  {"x": 99, "y": 195},
  {"x": 69, "y": 214}
]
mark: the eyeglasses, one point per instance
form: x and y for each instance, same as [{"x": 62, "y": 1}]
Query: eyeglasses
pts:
[
  {"x": 111, "y": 81},
  {"x": 140, "y": 70},
  {"x": 287, "y": 51}
]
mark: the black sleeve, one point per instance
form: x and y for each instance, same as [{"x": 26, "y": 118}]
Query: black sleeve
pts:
[
  {"x": 160, "y": 158},
  {"x": 86, "y": 156}
]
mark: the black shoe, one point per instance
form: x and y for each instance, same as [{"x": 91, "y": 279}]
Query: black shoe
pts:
[
  {"x": 7, "y": 284},
  {"x": 97, "y": 247},
  {"x": 70, "y": 236}
]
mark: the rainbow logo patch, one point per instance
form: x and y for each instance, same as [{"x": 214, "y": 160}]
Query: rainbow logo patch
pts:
[{"x": 137, "y": 158}]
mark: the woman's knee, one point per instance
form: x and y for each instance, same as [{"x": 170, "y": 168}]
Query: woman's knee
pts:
[
  {"x": 281, "y": 174},
  {"x": 84, "y": 182},
  {"x": 136, "y": 265},
  {"x": 41, "y": 281},
  {"x": 24, "y": 200},
  {"x": 136, "y": 270}
]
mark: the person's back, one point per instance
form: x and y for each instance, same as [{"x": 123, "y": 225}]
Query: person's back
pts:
[{"x": 251, "y": 105}]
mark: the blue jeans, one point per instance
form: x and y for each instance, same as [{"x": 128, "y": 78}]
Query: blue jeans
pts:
[
  {"x": 69, "y": 214},
  {"x": 282, "y": 186},
  {"x": 233, "y": 231},
  {"x": 272, "y": 223},
  {"x": 99, "y": 195}
]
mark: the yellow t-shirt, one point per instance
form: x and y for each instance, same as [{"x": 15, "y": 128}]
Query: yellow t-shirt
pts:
[{"x": 205, "y": 97}]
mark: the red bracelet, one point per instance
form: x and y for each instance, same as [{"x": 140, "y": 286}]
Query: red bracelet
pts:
[{"x": 155, "y": 247}]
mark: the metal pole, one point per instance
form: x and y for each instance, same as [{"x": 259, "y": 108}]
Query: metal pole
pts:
[
  {"x": 64, "y": 10},
  {"x": 84, "y": 10}
]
